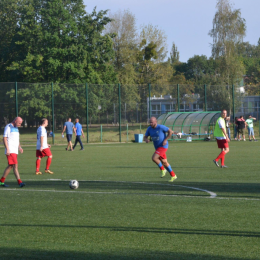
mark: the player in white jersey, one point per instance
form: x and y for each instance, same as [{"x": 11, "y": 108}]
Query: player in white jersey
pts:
[
  {"x": 12, "y": 145},
  {"x": 43, "y": 148}
]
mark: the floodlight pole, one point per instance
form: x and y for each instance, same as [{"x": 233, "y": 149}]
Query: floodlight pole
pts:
[
  {"x": 16, "y": 100},
  {"x": 233, "y": 101},
  {"x": 52, "y": 101},
  {"x": 87, "y": 109}
]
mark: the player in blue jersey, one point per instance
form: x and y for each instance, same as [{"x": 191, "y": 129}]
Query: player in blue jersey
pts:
[
  {"x": 78, "y": 131},
  {"x": 160, "y": 135},
  {"x": 68, "y": 127}
]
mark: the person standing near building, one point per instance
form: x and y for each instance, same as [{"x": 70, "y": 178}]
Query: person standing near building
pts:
[
  {"x": 78, "y": 131},
  {"x": 250, "y": 124},
  {"x": 160, "y": 141},
  {"x": 12, "y": 145},
  {"x": 222, "y": 139},
  {"x": 235, "y": 129},
  {"x": 43, "y": 148},
  {"x": 68, "y": 127}
]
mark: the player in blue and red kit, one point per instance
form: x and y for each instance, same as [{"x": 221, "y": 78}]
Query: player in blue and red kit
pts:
[{"x": 160, "y": 138}]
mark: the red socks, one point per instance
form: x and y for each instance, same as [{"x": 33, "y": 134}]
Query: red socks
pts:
[
  {"x": 38, "y": 164},
  {"x": 162, "y": 168},
  {"x": 222, "y": 157},
  {"x": 2, "y": 180},
  {"x": 48, "y": 163},
  {"x": 172, "y": 173},
  {"x": 19, "y": 181}
]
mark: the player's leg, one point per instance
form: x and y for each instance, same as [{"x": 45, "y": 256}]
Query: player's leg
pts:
[
  {"x": 48, "y": 153},
  {"x": 6, "y": 172},
  {"x": 38, "y": 162},
  {"x": 156, "y": 159},
  {"x": 222, "y": 153},
  {"x": 76, "y": 141},
  {"x": 80, "y": 142},
  {"x": 169, "y": 169},
  {"x": 17, "y": 176}
]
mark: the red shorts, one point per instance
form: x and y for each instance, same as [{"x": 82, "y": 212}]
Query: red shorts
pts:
[
  {"x": 43, "y": 153},
  {"x": 12, "y": 159},
  {"x": 222, "y": 143},
  {"x": 162, "y": 152}
]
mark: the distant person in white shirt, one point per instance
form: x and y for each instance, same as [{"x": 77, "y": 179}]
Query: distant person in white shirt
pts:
[
  {"x": 43, "y": 148},
  {"x": 12, "y": 145},
  {"x": 250, "y": 124}
]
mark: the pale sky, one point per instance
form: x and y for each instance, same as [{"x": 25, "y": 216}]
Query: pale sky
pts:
[{"x": 185, "y": 22}]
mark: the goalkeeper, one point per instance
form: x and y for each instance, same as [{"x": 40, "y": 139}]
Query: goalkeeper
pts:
[{"x": 160, "y": 141}]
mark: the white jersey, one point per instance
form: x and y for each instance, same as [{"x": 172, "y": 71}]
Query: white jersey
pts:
[
  {"x": 41, "y": 131},
  {"x": 12, "y": 134}
]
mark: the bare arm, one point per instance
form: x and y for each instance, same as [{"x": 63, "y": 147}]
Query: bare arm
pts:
[
  {"x": 82, "y": 132},
  {"x": 6, "y": 146},
  {"x": 64, "y": 128},
  {"x": 224, "y": 132},
  {"x": 146, "y": 139},
  {"x": 20, "y": 148},
  {"x": 170, "y": 132}
]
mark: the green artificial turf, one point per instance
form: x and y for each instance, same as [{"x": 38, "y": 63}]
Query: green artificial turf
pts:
[{"x": 124, "y": 210}]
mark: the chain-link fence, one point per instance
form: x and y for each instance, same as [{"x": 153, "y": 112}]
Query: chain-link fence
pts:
[{"x": 114, "y": 113}]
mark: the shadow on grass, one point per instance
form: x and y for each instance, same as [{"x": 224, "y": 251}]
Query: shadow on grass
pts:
[
  {"x": 120, "y": 254},
  {"x": 149, "y": 230}
]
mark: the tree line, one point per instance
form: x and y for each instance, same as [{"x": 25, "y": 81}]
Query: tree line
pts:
[{"x": 58, "y": 41}]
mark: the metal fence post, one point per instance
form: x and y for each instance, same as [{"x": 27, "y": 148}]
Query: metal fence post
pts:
[
  {"x": 205, "y": 96},
  {"x": 119, "y": 101},
  {"x": 178, "y": 97},
  {"x": 52, "y": 101},
  {"x": 87, "y": 109},
  {"x": 100, "y": 133},
  {"x": 233, "y": 101},
  {"x": 149, "y": 86},
  {"x": 16, "y": 100}
]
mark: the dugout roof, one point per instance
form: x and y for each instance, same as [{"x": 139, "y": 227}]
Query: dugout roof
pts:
[{"x": 199, "y": 123}]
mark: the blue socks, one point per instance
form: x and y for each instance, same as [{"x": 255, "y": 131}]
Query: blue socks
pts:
[{"x": 169, "y": 168}]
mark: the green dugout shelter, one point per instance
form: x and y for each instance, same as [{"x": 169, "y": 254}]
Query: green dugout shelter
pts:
[{"x": 196, "y": 124}]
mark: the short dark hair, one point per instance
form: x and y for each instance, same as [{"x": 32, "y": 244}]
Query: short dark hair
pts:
[
  {"x": 241, "y": 116},
  {"x": 43, "y": 120}
]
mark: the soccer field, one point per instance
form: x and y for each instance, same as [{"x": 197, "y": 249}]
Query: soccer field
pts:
[{"x": 124, "y": 210}]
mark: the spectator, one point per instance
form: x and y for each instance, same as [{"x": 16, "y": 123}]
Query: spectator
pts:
[
  {"x": 235, "y": 128},
  {"x": 241, "y": 125},
  {"x": 250, "y": 124}
]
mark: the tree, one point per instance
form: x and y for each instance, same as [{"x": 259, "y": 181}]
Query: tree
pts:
[
  {"x": 228, "y": 30},
  {"x": 58, "y": 41},
  {"x": 175, "y": 54}
]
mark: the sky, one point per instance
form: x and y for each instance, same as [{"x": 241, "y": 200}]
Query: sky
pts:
[{"x": 185, "y": 22}]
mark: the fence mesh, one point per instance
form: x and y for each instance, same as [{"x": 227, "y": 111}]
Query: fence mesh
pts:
[{"x": 116, "y": 112}]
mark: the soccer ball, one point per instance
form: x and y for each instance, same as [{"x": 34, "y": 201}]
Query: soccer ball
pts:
[{"x": 74, "y": 184}]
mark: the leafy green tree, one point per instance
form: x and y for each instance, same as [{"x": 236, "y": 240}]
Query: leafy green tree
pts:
[{"x": 58, "y": 41}]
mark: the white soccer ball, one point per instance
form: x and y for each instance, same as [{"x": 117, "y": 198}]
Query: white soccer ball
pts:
[{"x": 74, "y": 184}]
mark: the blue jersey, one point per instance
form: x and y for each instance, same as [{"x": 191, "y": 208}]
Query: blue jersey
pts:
[
  {"x": 69, "y": 128},
  {"x": 158, "y": 134},
  {"x": 78, "y": 127}
]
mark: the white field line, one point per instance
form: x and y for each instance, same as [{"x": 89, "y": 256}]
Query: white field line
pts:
[{"x": 212, "y": 194}]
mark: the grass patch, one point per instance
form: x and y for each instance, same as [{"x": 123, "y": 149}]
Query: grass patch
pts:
[{"x": 124, "y": 210}]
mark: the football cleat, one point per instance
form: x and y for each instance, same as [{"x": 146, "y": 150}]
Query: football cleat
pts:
[
  {"x": 224, "y": 166},
  {"x": 21, "y": 184},
  {"x": 173, "y": 178},
  {"x": 216, "y": 163},
  {"x": 38, "y": 173},
  {"x": 163, "y": 173},
  {"x": 2, "y": 184},
  {"x": 48, "y": 171}
]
